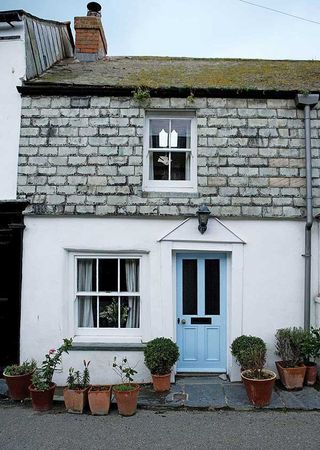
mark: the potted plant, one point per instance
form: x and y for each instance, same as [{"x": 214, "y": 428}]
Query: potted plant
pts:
[
  {"x": 259, "y": 382},
  {"x": 76, "y": 393},
  {"x": 126, "y": 392},
  {"x": 240, "y": 344},
  {"x": 311, "y": 351},
  {"x": 18, "y": 379},
  {"x": 99, "y": 399},
  {"x": 160, "y": 355},
  {"x": 42, "y": 387},
  {"x": 289, "y": 347}
]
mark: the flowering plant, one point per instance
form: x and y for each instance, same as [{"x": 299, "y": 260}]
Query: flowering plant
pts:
[{"x": 42, "y": 377}]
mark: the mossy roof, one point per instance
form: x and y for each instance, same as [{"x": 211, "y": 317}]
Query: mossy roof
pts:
[{"x": 191, "y": 73}]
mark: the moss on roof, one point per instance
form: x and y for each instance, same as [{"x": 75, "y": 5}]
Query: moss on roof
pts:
[{"x": 165, "y": 72}]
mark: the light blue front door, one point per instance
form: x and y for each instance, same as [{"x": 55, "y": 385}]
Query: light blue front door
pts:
[{"x": 201, "y": 312}]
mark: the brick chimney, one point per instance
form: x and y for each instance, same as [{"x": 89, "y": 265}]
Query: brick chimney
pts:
[{"x": 91, "y": 43}]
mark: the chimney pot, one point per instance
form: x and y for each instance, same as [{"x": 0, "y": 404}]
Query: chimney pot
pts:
[{"x": 94, "y": 9}]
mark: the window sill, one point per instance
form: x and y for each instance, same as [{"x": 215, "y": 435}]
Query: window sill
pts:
[
  {"x": 101, "y": 346},
  {"x": 168, "y": 193}
]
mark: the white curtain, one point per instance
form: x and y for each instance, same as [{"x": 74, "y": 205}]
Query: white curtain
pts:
[
  {"x": 85, "y": 284},
  {"x": 132, "y": 266}
]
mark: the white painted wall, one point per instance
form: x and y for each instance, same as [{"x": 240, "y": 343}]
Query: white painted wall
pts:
[
  {"x": 12, "y": 70},
  {"x": 265, "y": 281}
]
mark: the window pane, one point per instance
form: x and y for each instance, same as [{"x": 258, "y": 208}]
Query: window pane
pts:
[
  {"x": 108, "y": 312},
  {"x": 189, "y": 295},
  {"x": 108, "y": 275},
  {"x": 129, "y": 275},
  {"x": 87, "y": 312},
  {"x": 159, "y": 167},
  {"x": 180, "y": 166},
  {"x": 212, "y": 287},
  {"x": 130, "y": 312},
  {"x": 159, "y": 133},
  {"x": 180, "y": 133},
  {"x": 86, "y": 275}
]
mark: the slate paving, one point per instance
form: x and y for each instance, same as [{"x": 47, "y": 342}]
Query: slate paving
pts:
[{"x": 212, "y": 393}]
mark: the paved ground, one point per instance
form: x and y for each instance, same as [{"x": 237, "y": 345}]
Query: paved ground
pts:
[{"x": 23, "y": 429}]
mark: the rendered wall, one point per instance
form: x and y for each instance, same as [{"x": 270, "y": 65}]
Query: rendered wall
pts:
[
  {"x": 265, "y": 282},
  {"x": 12, "y": 70}
]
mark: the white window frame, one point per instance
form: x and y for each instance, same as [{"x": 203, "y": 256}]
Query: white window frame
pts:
[
  {"x": 170, "y": 185},
  {"x": 105, "y": 333}
]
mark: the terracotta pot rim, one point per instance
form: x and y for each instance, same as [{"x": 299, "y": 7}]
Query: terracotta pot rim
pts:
[
  {"x": 161, "y": 376},
  {"x": 270, "y": 372},
  {"x": 17, "y": 376},
  {"x": 106, "y": 387},
  {"x": 311, "y": 364},
  {"x": 280, "y": 363},
  {"x": 32, "y": 389},
  {"x": 76, "y": 390},
  {"x": 136, "y": 388}
]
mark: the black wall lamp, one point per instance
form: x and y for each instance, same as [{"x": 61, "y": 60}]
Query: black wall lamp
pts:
[{"x": 203, "y": 216}]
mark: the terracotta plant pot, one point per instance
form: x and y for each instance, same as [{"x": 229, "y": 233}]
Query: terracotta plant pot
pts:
[
  {"x": 18, "y": 386},
  {"x": 311, "y": 374},
  {"x": 161, "y": 383},
  {"x": 42, "y": 400},
  {"x": 127, "y": 400},
  {"x": 99, "y": 399},
  {"x": 259, "y": 391},
  {"x": 291, "y": 377},
  {"x": 75, "y": 400}
]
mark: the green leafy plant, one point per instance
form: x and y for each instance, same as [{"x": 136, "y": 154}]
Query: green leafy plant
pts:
[
  {"x": 289, "y": 345},
  {"x": 311, "y": 345},
  {"x": 142, "y": 96},
  {"x": 191, "y": 97},
  {"x": 110, "y": 313},
  {"x": 125, "y": 372},
  {"x": 27, "y": 367},
  {"x": 43, "y": 375},
  {"x": 249, "y": 352},
  {"x": 76, "y": 380},
  {"x": 160, "y": 355}
]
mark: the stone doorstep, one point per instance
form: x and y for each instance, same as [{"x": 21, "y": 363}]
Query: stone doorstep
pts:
[{"x": 212, "y": 396}]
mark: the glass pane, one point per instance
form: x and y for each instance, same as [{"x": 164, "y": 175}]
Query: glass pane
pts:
[
  {"x": 180, "y": 166},
  {"x": 86, "y": 275},
  {"x": 189, "y": 283},
  {"x": 129, "y": 275},
  {"x": 212, "y": 287},
  {"x": 159, "y": 169},
  {"x": 108, "y": 312},
  {"x": 108, "y": 275},
  {"x": 180, "y": 133},
  {"x": 159, "y": 133},
  {"x": 87, "y": 312},
  {"x": 130, "y": 312}
]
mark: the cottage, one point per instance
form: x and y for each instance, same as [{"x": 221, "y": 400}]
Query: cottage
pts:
[{"x": 117, "y": 155}]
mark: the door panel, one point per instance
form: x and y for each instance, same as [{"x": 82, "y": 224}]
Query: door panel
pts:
[{"x": 201, "y": 312}]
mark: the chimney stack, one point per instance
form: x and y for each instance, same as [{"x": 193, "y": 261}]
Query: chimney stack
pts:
[{"x": 91, "y": 43}]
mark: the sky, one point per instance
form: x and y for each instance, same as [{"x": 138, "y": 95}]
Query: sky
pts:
[{"x": 196, "y": 28}]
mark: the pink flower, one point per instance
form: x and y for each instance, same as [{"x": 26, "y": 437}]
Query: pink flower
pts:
[{"x": 52, "y": 350}]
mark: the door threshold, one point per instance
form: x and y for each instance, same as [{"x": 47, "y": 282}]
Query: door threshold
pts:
[{"x": 200, "y": 374}]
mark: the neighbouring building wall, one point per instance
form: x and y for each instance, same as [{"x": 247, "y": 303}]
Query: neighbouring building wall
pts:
[
  {"x": 265, "y": 283},
  {"x": 85, "y": 156},
  {"x": 12, "y": 71}
]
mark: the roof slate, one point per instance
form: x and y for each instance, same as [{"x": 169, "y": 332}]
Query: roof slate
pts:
[{"x": 181, "y": 73}]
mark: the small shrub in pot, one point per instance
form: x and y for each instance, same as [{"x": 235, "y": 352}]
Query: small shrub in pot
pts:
[
  {"x": 18, "y": 379},
  {"x": 240, "y": 346},
  {"x": 160, "y": 355},
  {"x": 76, "y": 393},
  {"x": 126, "y": 392},
  {"x": 289, "y": 346},
  {"x": 311, "y": 351}
]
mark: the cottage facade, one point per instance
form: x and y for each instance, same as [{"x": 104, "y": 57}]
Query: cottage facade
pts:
[{"x": 114, "y": 176}]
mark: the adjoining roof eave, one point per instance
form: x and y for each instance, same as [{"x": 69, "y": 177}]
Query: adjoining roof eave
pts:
[{"x": 98, "y": 90}]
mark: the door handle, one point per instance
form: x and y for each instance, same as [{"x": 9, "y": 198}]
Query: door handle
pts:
[{"x": 183, "y": 321}]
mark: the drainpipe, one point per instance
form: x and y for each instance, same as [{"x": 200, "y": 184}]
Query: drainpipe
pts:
[{"x": 306, "y": 102}]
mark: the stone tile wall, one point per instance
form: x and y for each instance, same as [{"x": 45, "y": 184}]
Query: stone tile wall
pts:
[{"x": 84, "y": 156}]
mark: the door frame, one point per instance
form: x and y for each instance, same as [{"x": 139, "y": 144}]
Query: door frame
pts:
[{"x": 222, "y": 256}]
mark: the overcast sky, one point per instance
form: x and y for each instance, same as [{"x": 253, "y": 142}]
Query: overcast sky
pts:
[{"x": 198, "y": 28}]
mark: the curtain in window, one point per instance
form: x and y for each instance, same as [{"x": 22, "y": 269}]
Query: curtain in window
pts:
[
  {"x": 85, "y": 284},
  {"x": 131, "y": 267}
]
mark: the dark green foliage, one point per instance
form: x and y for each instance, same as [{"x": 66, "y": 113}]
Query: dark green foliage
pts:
[
  {"x": 160, "y": 355},
  {"x": 25, "y": 368},
  {"x": 76, "y": 380},
  {"x": 311, "y": 345},
  {"x": 249, "y": 352},
  {"x": 289, "y": 345},
  {"x": 124, "y": 371}
]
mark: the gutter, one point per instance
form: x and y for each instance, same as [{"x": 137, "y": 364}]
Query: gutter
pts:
[{"x": 306, "y": 102}]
